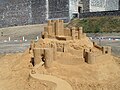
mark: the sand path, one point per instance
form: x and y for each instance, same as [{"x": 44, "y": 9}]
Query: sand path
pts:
[{"x": 61, "y": 84}]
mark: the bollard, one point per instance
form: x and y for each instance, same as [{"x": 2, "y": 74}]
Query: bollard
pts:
[
  {"x": 37, "y": 38},
  {"x": 9, "y": 39},
  {"x": 23, "y": 38}
]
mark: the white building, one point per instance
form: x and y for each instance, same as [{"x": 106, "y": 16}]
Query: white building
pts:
[{"x": 99, "y": 5}]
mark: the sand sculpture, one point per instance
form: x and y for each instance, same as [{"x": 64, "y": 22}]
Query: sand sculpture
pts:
[{"x": 66, "y": 44}]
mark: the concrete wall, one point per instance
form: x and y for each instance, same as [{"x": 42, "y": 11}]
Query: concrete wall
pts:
[
  {"x": 73, "y": 8},
  {"x": 112, "y": 5}
]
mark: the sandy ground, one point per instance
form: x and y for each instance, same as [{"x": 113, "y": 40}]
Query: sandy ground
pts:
[
  {"x": 14, "y": 74},
  {"x": 16, "y": 33}
]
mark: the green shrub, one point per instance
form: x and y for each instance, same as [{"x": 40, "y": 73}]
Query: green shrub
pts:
[{"x": 99, "y": 24}]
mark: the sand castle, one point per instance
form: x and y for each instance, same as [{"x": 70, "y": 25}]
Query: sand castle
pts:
[{"x": 69, "y": 45}]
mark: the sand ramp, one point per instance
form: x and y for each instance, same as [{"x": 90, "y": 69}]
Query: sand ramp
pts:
[{"x": 61, "y": 84}]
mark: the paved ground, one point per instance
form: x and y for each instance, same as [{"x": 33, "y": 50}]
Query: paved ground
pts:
[
  {"x": 17, "y": 46},
  {"x": 13, "y": 47},
  {"x": 17, "y": 39}
]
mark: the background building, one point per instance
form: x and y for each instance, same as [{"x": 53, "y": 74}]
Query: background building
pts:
[
  {"x": 22, "y": 12},
  {"x": 112, "y": 5},
  {"x": 99, "y": 5}
]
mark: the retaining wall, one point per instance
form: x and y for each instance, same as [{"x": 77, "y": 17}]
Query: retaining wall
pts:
[{"x": 99, "y": 14}]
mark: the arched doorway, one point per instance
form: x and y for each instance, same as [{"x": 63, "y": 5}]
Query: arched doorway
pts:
[{"x": 79, "y": 9}]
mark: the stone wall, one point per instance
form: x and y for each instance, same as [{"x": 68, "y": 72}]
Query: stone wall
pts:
[
  {"x": 15, "y": 13},
  {"x": 59, "y": 9},
  {"x": 22, "y": 12},
  {"x": 38, "y": 11},
  {"x": 86, "y": 5}
]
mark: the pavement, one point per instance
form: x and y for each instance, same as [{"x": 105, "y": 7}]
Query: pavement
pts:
[
  {"x": 17, "y": 39},
  {"x": 13, "y": 47}
]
